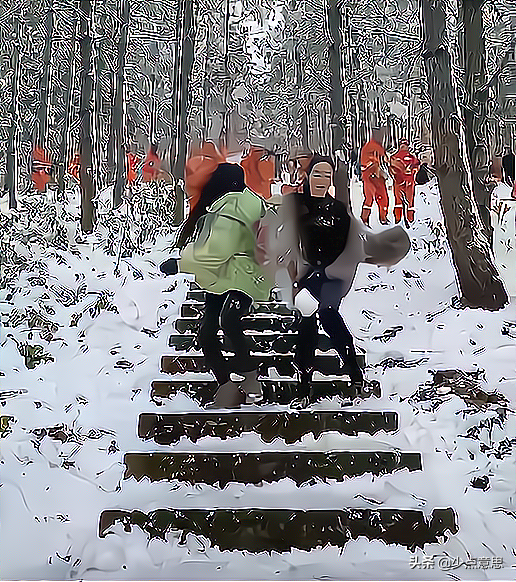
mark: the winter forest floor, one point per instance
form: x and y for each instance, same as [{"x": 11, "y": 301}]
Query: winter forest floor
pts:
[{"x": 104, "y": 359}]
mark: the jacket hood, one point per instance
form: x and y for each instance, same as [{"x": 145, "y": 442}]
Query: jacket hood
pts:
[{"x": 242, "y": 206}]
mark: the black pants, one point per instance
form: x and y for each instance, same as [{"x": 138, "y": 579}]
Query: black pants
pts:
[
  {"x": 327, "y": 292},
  {"x": 225, "y": 311}
]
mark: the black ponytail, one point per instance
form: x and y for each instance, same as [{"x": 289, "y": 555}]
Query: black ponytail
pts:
[{"x": 226, "y": 178}]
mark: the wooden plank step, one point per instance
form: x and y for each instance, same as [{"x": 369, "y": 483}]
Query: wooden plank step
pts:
[
  {"x": 266, "y": 466},
  {"x": 274, "y": 391},
  {"x": 260, "y": 341},
  {"x": 283, "y": 363},
  {"x": 198, "y": 294},
  {"x": 196, "y": 308},
  {"x": 255, "y": 322},
  {"x": 281, "y": 530},
  {"x": 290, "y": 426}
]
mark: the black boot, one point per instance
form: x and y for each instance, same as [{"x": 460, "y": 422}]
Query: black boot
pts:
[{"x": 303, "y": 390}]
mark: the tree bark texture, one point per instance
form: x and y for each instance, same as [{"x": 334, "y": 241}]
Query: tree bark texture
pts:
[
  {"x": 187, "y": 59},
  {"x": 11, "y": 176},
  {"x": 116, "y": 141},
  {"x": 67, "y": 96},
  {"x": 45, "y": 81},
  {"x": 86, "y": 141},
  {"x": 477, "y": 275},
  {"x": 337, "y": 93},
  {"x": 475, "y": 110}
]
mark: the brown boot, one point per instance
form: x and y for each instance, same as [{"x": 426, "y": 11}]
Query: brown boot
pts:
[{"x": 228, "y": 395}]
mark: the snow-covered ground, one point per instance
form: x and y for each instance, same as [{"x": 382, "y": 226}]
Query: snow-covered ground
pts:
[{"x": 53, "y": 492}]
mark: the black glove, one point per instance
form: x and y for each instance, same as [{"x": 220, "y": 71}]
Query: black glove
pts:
[{"x": 169, "y": 267}]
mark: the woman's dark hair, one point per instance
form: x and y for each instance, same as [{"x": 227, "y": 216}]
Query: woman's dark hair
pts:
[
  {"x": 317, "y": 159},
  {"x": 226, "y": 178}
]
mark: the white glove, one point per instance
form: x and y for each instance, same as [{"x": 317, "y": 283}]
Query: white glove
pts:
[{"x": 306, "y": 303}]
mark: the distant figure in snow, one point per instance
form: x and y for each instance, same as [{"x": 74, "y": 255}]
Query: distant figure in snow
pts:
[
  {"x": 508, "y": 167},
  {"x": 42, "y": 169},
  {"x": 372, "y": 158},
  {"x": 496, "y": 169},
  {"x": 355, "y": 164},
  {"x": 403, "y": 167}
]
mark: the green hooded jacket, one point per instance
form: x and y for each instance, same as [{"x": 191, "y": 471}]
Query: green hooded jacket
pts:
[{"x": 223, "y": 256}]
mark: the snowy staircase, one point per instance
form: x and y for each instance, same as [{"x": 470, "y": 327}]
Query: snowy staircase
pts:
[{"x": 271, "y": 329}]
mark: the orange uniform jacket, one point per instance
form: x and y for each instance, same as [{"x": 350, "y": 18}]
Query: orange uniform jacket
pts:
[
  {"x": 41, "y": 169},
  {"x": 259, "y": 171},
  {"x": 403, "y": 165},
  {"x": 370, "y": 157}
]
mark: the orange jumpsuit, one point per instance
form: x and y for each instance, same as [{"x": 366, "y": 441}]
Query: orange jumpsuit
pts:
[
  {"x": 259, "y": 169},
  {"x": 151, "y": 166},
  {"x": 42, "y": 169},
  {"x": 403, "y": 167},
  {"x": 132, "y": 163},
  {"x": 374, "y": 183}
]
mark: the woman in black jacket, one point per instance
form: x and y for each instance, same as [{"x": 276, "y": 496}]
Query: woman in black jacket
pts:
[{"x": 323, "y": 227}]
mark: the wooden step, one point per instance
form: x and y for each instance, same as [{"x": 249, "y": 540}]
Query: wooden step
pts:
[
  {"x": 281, "y": 530},
  {"x": 266, "y": 466},
  {"x": 255, "y": 322},
  {"x": 196, "y": 308},
  {"x": 198, "y": 294},
  {"x": 290, "y": 426},
  {"x": 274, "y": 391},
  {"x": 283, "y": 363},
  {"x": 260, "y": 341}
]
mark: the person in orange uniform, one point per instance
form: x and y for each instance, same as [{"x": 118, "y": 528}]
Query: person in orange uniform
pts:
[
  {"x": 403, "y": 167},
  {"x": 373, "y": 177},
  {"x": 132, "y": 166},
  {"x": 259, "y": 168},
  {"x": 42, "y": 169}
]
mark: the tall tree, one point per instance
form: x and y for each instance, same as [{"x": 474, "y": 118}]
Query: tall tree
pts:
[
  {"x": 335, "y": 62},
  {"x": 185, "y": 67},
  {"x": 475, "y": 109},
  {"x": 116, "y": 145},
  {"x": 11, "y": 177},
  {"x": 224, "y": 135},
  {"x": 68, "y": 79},
  {"x": 299, "y": 54},
  {"x": 478, "y": 278},
  {"x": 85, "y": 141},
  {"x": 42, "y": 120}
]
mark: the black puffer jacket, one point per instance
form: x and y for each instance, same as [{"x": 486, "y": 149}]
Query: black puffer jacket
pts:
[{"x": 323, "y": 228}]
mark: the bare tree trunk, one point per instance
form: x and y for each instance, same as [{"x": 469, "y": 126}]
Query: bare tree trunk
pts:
[
  {"x": 175, "y": 76},
  {"x": 334, "y": 17},
  {"x": 475, "y": 110},
  {"x": 88, "y": 218},
  {"x": 42, "y": 119},
  {"x": 206, "y": 91},
  {"x": 224, "y": 137},
  {"x": 478, "y": 278},
  {"x": 97, "y": 126},
  {"x": 303, "y": 113},
  {"x": 117, "y": 120},
  {"x": 67, "y": 95},
  {"x": 11, "y": 176},
  {"x": 349, "y": 99},
  {"x": 187, "y": 58},
  {"x": 153, "y": 122}
]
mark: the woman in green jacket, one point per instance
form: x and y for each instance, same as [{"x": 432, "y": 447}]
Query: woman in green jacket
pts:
[{"x": 223, "y": 259}]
